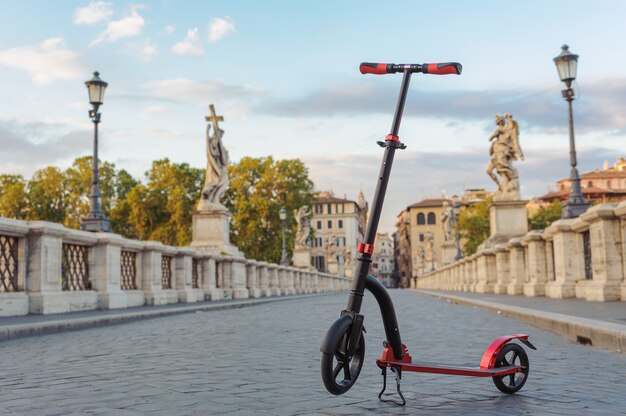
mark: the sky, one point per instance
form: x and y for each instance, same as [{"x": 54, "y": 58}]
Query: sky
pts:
[{"x": 284, "y": 75}]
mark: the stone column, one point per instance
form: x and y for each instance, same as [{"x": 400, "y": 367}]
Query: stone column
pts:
[
  {"x": 567, "y": 261},
  {"x": 536, "y": 264},
  {"x": 517, "y": 267},
  {"x": 486, "y": 271},
  {"x": 264, "y": 278},
  {"x": 315, "y": 282},
  {"x": 183, "y": 277},
  {"x": 581, "y": 227},
  {"x": 620, "y": 212},
  {"x": 274, "y": 280},
  {"x": 254, "y": 288},
  {"x": 296, "y": 281},
  {"x": 606, "y": 253},
  {"x": 151, "y": 279},
  {"x": 503, "y": 274},
  {"x": 45, "y": 245},
  {"x": 107, "y": 254}
]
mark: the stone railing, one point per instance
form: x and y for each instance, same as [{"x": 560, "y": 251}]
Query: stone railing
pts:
[
  {"x": 583, "y": 257},
  {"x": 47, "y": 268}
]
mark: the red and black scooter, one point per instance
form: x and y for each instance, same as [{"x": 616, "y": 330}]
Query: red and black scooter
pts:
[{"x": 343, "y": 347}]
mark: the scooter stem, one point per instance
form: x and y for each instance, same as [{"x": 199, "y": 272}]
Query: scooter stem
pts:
[{"x": 391, "y": 144}]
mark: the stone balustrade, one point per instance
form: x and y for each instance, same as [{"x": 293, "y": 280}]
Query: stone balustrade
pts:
[
  {"x": 46, "y": 268},
  {"x": 583, "y": 257}
]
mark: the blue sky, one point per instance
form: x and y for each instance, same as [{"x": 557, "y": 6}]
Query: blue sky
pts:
[{"x": 285, "y": 77}]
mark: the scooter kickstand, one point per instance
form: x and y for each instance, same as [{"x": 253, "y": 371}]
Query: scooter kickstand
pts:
[{"x": 398, "y": 372}]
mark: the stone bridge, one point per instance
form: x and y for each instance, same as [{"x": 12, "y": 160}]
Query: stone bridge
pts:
[{"x": 47, "y": 268}]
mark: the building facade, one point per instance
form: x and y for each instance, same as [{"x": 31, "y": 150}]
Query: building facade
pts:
[
  {"x": 597, "y": 186},
  {"x": 338, "y": 226},
  {"x": 402, "y": 249},
  {"x": 382, "y": 259}
]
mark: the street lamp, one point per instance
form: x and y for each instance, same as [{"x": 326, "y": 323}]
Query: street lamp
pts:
[
  {"x": 456, "y": 207},
  {"x": 566, "y": 65},
  {"x": 96, "y": 221},
  {"x": 282, "y": 214}
]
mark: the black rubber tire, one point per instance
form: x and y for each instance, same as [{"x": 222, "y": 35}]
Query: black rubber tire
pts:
[
  {"x": 333, "y": 364},
  {"x": 512, "y": 354}
]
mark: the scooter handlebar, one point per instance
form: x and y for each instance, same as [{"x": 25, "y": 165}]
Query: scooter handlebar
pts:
[{"x": 435, "y": 69}]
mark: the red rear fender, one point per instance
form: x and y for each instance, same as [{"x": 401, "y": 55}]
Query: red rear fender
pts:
[{"x": 490, "y": 355}]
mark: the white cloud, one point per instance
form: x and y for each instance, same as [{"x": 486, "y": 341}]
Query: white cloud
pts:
[
  {"x": 185, "y": 89},
  {"x": 148, "y": 50},
  {"x": 190, "y": 45},
  {"x": 219, "y": 28},
  {"x": 93, "y": 13},
  {"x": 153, "y": 110},
  {"x": 47, "y": 62},
  {"x": 130, "y": 25},
  {"x": 169, "y": 29}
]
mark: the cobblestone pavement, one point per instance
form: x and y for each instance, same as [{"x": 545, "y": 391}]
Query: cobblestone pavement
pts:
[{"x": 264, "y": 360}]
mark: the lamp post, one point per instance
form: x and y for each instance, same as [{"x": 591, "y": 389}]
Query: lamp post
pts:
[
  {"x": 96, "y": 221},
  {"x": 282, "y": 214},
  {"x": 456, "y": 207},
  {"x": 566, "y": 65}
]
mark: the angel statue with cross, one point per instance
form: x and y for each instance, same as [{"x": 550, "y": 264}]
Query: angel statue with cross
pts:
[{"x": 216, "y": 181}]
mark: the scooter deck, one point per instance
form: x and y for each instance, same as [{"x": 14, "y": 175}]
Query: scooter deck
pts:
[{"x": 454, "y": 371}]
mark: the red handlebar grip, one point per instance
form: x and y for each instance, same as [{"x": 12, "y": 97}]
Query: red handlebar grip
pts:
[
  {"x": 371, "y": 68},
  {"x": 442, "y": 69}
]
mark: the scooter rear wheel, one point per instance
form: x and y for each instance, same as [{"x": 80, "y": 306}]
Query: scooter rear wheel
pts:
[
  {"x": 340, "y": 372},
  {"x": 512, "y": 354}
]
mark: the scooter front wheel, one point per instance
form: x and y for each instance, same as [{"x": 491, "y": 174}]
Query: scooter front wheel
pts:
[
  {"x": 512, "y": 354},
  {"x": 339, "y": 370}
]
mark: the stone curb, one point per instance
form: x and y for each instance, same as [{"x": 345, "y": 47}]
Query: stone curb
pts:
[
  {"x": 23, "y": 330},
  {"x": 601, "y": 334}
]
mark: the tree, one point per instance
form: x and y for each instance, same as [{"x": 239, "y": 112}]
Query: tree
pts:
[
  {"x": 259, "y": 187},
  {"x": 46, "y": 195},
  {"x": 13, "y": 202},
  {"x": 546, "y": 215},
  {"x": 160, "y": 210},
  {"x": 474, "y": 225}
]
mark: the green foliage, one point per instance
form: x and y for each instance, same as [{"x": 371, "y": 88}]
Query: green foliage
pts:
[
  {"x": 546, "y": 215},
  {"x": 474, "y": 225},
  {"x": 161, "y": 208},
  {"x": 13, "y": 196},
  {"x": 259, "y": 187}
]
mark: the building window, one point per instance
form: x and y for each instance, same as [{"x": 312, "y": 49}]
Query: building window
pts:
[
  {"x": 608, "y": 184},
  {"x": 319, "y": 225},
  {"x": 589, "y": 184},
  {"x": 339, "y": 208},
  {"x": 421, "y": 237},
  {"x": 329, "y": 206},
  {"x": 318, "y": 209},
  {"x": 340, "y": 224},
  {"x": 319, "y": 242},
  {"x": 421, "y": 219},
  {"x": 319, "y": 263},
  {"x": 432, "y": 218},
  {"x": 330, "y": 224},
  {"x": 341, "y": 241}
]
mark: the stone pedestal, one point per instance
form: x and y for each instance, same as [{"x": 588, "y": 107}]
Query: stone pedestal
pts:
[
  {"x": 333, "y": 266},
  {"x": 507, "y": 219},
  {"x": 448, "y": 251},
  {"x": 211, "y": 233},
  {"x": 567, "y": 265},
  {"x": 302, "y": 257},
  {"x": 536, "y": 269}
]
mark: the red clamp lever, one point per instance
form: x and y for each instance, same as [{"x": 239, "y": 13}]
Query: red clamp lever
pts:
[{"x": 365, "y": 248}]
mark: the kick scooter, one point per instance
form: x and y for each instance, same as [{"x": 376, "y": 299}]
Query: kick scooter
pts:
[{"x": 343, "y": 347}]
